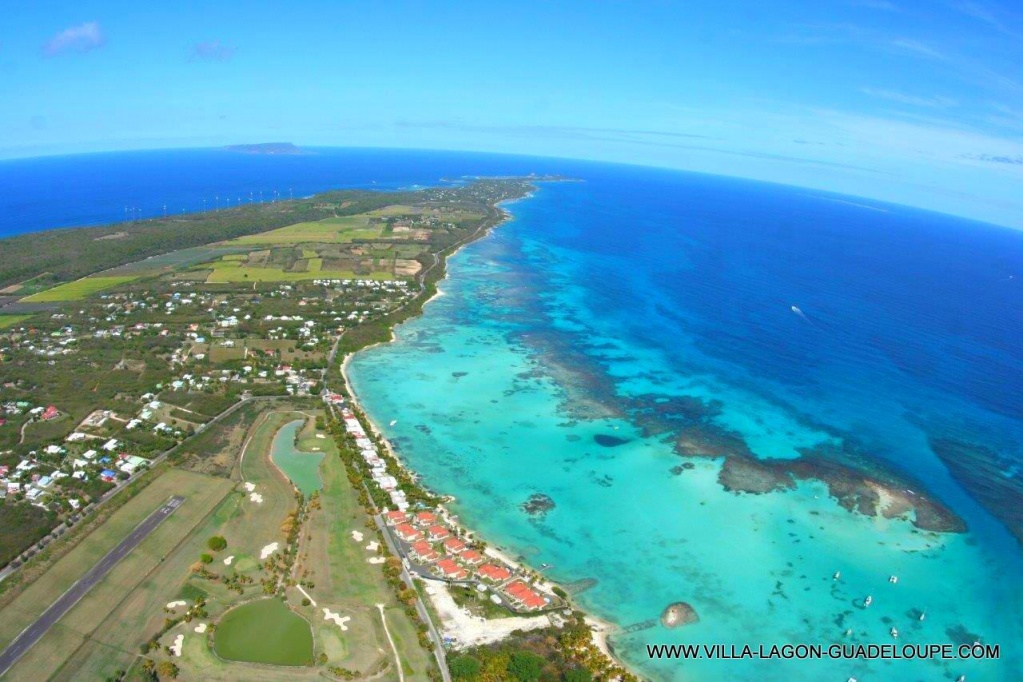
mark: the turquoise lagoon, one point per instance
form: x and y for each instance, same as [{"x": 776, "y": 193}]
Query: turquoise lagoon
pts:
[
  {"x": 303, "y": 468},
  {"x": 644, "y": 286}
]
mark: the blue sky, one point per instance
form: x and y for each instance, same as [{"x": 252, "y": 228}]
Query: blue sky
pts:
[{"x": 913, "y": 101}]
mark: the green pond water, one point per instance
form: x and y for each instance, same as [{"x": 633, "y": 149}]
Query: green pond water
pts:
[
  {"x": 303, "y": 468},
  {"x": 264, "y": 631}
]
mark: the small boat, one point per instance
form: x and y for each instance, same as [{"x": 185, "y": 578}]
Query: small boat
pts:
[
  {"x": 923, "y": 614},
  {"x": 868, "y": 601},
  {"x": 393, "y": 422},
  {"x": 893, "y": 579},
  {"x": 838, "y": 574},
  {"x": 894, "y": 633}
]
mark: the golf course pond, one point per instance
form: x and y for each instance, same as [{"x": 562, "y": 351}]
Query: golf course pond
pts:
[
  {"x": 264, "y": 631},
  {"x": 303, "y": 468}
]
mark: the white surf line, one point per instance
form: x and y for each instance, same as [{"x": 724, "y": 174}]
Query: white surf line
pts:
[
  {"x": 397, "y": 660},
  {"x": 307, "y": 595}
]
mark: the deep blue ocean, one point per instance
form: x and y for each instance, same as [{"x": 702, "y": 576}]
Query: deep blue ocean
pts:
[{"x": 645, "y": 286}]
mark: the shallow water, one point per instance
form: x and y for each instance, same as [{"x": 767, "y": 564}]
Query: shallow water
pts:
[{"x": 642, "y": 284}]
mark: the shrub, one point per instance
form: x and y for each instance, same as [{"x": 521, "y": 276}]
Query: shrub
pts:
[
  {"x": 464, "y": 667},
  {"x": 206, "y": 558},
  {"x": 217, "y": 543}
]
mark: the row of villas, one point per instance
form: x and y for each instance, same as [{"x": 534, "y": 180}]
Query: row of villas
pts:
[
  {"x": 368, "y": 451},
  {"x": 432, "y": 543}
]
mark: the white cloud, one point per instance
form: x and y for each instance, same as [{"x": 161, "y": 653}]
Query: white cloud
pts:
[{"x": 81, "y": 38}]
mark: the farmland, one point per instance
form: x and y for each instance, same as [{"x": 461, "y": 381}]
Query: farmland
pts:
[
  {"x": 73, "y": 291},
  {"x": 330, "y": 230},
  {"x": 11, "y": 320}
]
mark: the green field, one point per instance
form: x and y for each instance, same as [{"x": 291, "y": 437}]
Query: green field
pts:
[
  {"x": 328, "y": 231},
  {"x": 72, "y": 291},
  {"x": 264, "y": 631},
  {"x": 235, "y": 272},
  {"x": 11, "y": 320}
]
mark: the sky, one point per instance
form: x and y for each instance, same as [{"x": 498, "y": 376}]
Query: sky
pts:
[{"x": 917, "y": 102}]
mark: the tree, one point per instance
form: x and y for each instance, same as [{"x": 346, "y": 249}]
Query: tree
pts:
[
  {"x": 525, "y": 666},
  {"x": 206, "y": 558},
  {"x": 217, "y": 543},
  {"x": 464, "y": 667},
  {"x": 578, "y": 675},
  {"x": 167, "y": 670}
]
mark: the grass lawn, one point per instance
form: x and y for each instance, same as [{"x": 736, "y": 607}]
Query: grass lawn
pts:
[
  {"x": 234, "y": 272},
  {"x": 328, "y": 231},
  {"x": 346, "y": 583},
  {"x": 11, "y": 320},
  {"x": 82, "y": 623},
  {"x": 72, "y": 291}
]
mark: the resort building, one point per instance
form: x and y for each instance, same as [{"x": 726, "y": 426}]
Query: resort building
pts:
[
  {"x": 454, "y": 546},
  {"x": 494, "y": 573},
  {"x": 425, "y": 519},
  {"x": 471, "y": 557},
  {"x": 522, "y": 595},
  {"x": 394, "y": 518},
  {"x": 407, "y": 532},
  {"x": 423, "y": 551},
  {"x": 438, "y": 533},
  {"x": 449, "y": 569}
]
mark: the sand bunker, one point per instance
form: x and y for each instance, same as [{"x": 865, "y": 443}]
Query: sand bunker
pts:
[
  {"x": 176, "y": 646},
  {"x": 250, "y": 487},
  {"x": 228, "y": 560},
  {"x": 268, "y": 550},
  {"x": 373, "y": 546},
  {"x": 376, "y": 560},
  {"x": 357, "y": 536},
  {"x": 176, "y": 604},
  {"x": 336, "y": 617},
  {"x": 320, "y": 435},
  {"x": 201, "y": 628},
  {"x": 256, "y": 497}
]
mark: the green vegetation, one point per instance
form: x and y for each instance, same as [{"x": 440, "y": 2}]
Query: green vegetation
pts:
[
  {"x": 329, "y": 230},
  {"x": 76, "y": 252},
  {"x": 11, "y": 320},
  {"x": 566, "y": 654},
  {"x": 264, "y": 631},
  {"x": 73, "y": 291},
  {"x": 217, "y": 543},
  {"x": 23, "y": 524}
]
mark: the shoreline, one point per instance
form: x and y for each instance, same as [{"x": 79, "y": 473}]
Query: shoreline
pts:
[{"x": 601, "y": 630}]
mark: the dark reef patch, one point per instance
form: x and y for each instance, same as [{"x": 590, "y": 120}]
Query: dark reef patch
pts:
[
  {"x": 609, "y": 441},
  {"x": 844, "y": 469},
  {"x": 679, "y": 614},
  {"x": 982, "y": 472},
  {"x": 538, "y": 505}
]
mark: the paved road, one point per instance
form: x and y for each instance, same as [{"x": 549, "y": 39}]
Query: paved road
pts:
[{"x": 34, "y": 632}]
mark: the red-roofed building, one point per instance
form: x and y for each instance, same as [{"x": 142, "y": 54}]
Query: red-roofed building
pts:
[
  {"x": 407, "y": 532},
  {"x": 471, "y": 557},
  {"x": 51, "y": 412},
  {"x": 438, "y": 533},
  {"x": 449, "y": 569},
  {"x": 522, "y": 594},
  {"x": 393, "y": 518},
  {"x": 453, "y": 546},
  {"x": 426, "y": 518},
  {"x": 423, "y": 551},
  {"x": 494, "y": 573}
]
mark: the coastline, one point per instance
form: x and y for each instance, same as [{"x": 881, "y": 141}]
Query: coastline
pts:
[{"x": 601, "y": 630}]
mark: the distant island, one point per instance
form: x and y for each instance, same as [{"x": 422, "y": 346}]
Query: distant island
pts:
[{"x": 265, "y": 148}]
